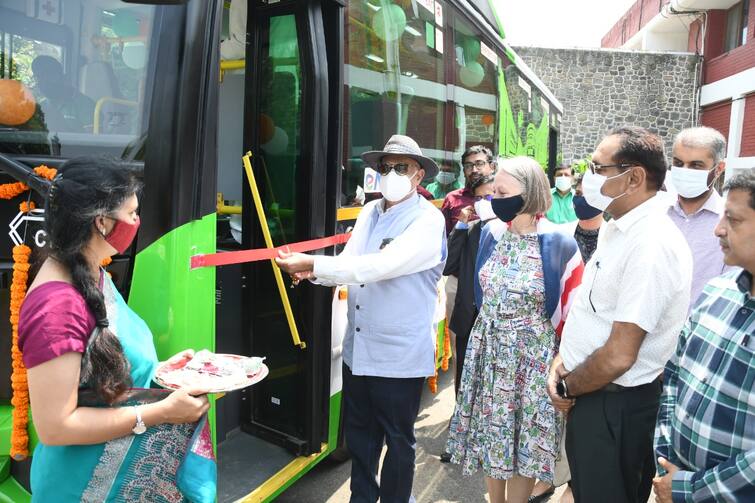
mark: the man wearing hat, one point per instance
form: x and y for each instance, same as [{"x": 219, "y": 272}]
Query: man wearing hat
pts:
[{"x": 392, "y": 264}]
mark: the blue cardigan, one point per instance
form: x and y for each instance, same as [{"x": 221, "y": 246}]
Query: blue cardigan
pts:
[{"x": 562, "y": 270}]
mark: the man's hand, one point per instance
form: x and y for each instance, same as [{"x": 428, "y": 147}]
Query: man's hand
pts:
[
  {"x": 298, "y": 265},
  {"x": 466, "y": 214},
  {"x": 662, "y": 485},
  {"x": 558, "y": 372}
]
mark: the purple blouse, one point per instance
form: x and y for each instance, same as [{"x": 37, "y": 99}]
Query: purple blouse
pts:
[{"x": 54, "y": 320}]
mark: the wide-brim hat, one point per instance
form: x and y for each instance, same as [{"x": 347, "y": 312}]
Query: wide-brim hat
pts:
[{"x": 402, "y": 145}]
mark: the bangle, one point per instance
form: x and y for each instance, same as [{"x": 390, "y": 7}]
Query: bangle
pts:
[{"x": 139, "y": 427}]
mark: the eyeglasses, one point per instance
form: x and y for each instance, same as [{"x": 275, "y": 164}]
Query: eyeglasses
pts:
[
  {"x": 400, "y": 168},
  {"x": 595, "y": 168},
  {"x": 477, "y": 164},
  {"x": 487, "y": 197}
]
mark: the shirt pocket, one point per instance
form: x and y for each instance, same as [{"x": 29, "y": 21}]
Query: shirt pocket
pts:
[{"x": 387, "y": 343}]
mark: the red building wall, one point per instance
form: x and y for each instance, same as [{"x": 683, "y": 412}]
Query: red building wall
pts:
[
  {"x": 695, "y": 40},
  {"x": 632, "y": 21},
  {"x": 719, "y": 65},
  {"x": 748, "y": 131},
  {"x": 717, "y": 116}
]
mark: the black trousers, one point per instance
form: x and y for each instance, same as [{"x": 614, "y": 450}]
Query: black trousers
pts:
[
  {"x": 460, "y": 351},
  {"x": 378, "y": 411},
  {"x": 609, "y": 444}
]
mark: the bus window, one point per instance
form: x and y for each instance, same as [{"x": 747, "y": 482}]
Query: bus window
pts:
[
  {"x": 280, "y": 125},
  {"x": 529, "y": 117},
  {"x": 476, "y": 74},
  {"x": 84, "y": 65},
  {"x": 396, "y": 84}
]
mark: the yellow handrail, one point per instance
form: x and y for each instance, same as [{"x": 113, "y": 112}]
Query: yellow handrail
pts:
[
  {"x": 98, "y": 109},
  {"x": 224, "y": 209},
  {"x": 352, "y": 212},
  {"x": 269, "y": 243},
  {"x": 231, "y": 64}
]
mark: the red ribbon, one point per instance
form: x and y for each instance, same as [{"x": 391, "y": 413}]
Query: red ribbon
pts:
[{"x": 240, "y": 257}]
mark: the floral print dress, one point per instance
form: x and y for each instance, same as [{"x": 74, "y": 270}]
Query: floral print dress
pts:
[{"x": 504, "y": 421}]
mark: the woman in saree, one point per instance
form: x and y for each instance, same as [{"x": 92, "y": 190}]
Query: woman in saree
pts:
[{"x": 89, "y": 356}]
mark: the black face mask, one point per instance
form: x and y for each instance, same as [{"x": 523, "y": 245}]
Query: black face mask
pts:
[
  {"x": 506, "y": 208},
  {"x": 583, "y": 210}
]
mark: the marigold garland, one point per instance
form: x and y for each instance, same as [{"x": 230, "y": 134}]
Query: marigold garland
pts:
[
  {"x": 19, "y": 435},
  {"x": 11, "y": 190},
  {"x": 446, "y": 349},
  {"x": 432, "y": 382},
  {"x": 19, "y": 449}
]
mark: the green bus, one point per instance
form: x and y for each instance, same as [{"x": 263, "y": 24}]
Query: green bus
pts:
[{"x": 316, "y": 83}]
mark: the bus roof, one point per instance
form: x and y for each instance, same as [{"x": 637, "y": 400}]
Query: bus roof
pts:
[{"x": 487, "y": 16}]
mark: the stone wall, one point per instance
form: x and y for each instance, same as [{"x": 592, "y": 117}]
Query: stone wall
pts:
[{"x": 602, "y": 89}]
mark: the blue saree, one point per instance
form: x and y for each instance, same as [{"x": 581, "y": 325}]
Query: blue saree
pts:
[{"x": 168, "y": 463}]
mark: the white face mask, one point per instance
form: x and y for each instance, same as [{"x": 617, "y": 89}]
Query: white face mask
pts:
[
  {"x": 591, "y": 185},
  {"x": 445, "y": 177},
  {"x": 563, "y": 183},
  {"x": 395, "y": 187},
  {"x": 690, "y": 183},
  {"x": 484, "y": 209}
]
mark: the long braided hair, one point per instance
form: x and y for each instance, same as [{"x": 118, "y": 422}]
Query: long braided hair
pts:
[{"x": 83, "y": 189}]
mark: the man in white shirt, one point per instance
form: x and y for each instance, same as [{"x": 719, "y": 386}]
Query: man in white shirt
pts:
[
  {"x": 392, "y": 264},
  {"x": 624, "y": 323},
  {"x": 697, "y": 161}
]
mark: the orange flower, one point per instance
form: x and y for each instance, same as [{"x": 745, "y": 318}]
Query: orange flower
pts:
[
  {"x": 26, "y": 207},
  {"x": 46, "y": 172},
  {"x": 446, "y": 350}
]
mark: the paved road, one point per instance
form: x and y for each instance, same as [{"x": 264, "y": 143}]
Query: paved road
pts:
[{"x": 434, "y": 481}]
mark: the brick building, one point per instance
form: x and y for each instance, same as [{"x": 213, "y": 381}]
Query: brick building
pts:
[{"x": 723, "y": 32}]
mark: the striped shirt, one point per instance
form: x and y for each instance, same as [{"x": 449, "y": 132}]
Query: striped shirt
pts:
[{"x": 706, "y": 421}]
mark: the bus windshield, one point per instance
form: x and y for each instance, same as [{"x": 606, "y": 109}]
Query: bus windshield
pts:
[{"x": 73, "y": 75}]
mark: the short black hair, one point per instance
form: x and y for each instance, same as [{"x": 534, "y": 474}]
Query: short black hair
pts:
[
  {"x": 481, "y": 181},
  {"x": 643, "y": 148},
  {"x": 477, "y": 149},
  {"x": 744, "y": 181},
  {"x": 564, "y": 166}
]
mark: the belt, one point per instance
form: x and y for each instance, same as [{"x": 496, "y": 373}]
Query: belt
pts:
[{"x": 617, "y": 388}]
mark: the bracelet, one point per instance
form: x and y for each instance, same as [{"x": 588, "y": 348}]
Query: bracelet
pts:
[{"x": 140, "y": 427}]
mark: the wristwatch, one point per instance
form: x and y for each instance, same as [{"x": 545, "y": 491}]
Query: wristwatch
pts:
[
  {"x": 140, "y": 427},
  {"x": 562, "y": 389}
]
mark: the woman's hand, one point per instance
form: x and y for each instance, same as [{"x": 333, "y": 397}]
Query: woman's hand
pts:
[{"x": 185, "y": 405}]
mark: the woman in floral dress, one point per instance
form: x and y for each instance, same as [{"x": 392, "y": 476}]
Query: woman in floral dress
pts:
[{"x": 504, "y": 421}]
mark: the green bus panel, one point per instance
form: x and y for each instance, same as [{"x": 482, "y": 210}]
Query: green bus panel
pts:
[{"x": 177, "y": 303}]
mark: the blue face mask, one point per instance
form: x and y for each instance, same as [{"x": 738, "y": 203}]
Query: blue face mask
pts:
[
  {"x": 506, "y": 208},
  {"x": 583, "y": 210}
]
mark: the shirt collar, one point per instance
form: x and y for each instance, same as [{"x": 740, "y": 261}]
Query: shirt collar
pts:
[
  {"x": 555, "y": 192},
  {"x": 635, "y": 214},
  {"x": 714, "y": 204},
  {"x": 744, "y": 282},
  {"x": 398, "y": 207}
]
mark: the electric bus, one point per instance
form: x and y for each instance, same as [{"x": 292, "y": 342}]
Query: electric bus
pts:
[{"x": 311, "y": 85}]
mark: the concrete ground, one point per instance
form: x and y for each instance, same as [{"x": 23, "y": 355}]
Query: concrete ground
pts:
[{"x": 434, "y": 481}]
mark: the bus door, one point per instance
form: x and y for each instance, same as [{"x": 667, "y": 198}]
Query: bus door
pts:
[{"x": 291, "y": 124}]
